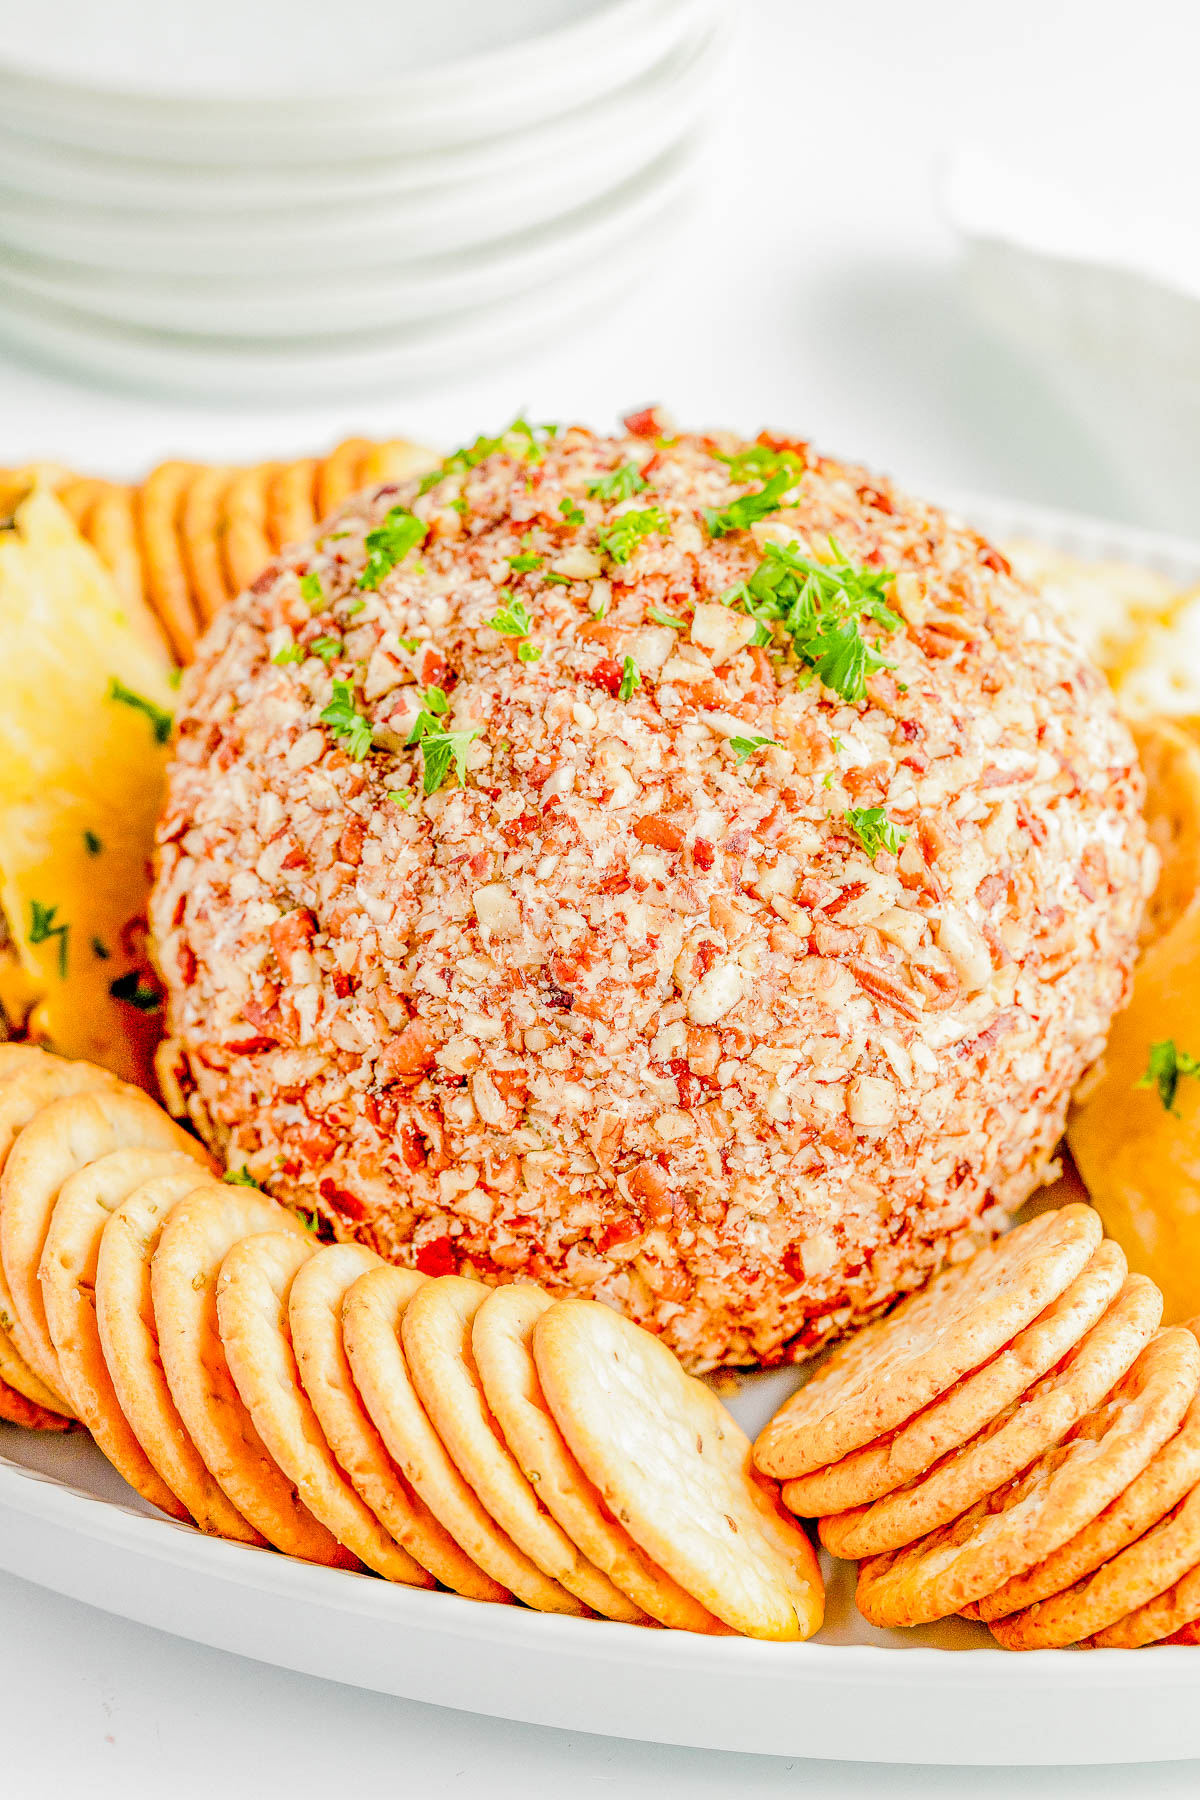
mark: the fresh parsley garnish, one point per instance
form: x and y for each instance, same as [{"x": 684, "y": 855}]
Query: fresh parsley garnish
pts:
[
  {"x": 350, "y": 727},
  {"x": 354, "y": 607},
  {"x": 631, "y": 679},
  {"x": 311, "y": 589},
  {"x": 159, "y": 720},
  {"x": 875, "y": 831},
  {"x": 620, "y": 484},
  {"x": 524, "y": 565},
  {"x": 43, "y": 927},
  {"x": 288, "y": 653},
  {"x": 520, "y": 439},
  {"x": 759, "y": 461},
  {"x": 1167, "y": 1065},
  {"x": 820, "y": 606},
  {"x": 92, "y": 843},
  {"x": 100, "y": 949},
  {"x": 513, "y": 618},
  {"x": 571, "y": 513},
  {"x": 401, "y": 797},
  {"x": 389, "y": 544},
  {"x": 620, "y": 539},
  {"x": 740, "y": 514},
  {"x": 327, "y": 648},
  {"x": 239, "y": 1177},
  {"x": 136, "y": 992},
  {"x": 527, "y": 652},
  {"x": 440, "y": 750},
  {"x": 665, "y": 618},
  {"x": 743, "y": 747}
]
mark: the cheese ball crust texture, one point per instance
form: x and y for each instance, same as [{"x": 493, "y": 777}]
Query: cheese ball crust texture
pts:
[{"x": 621, "y": 1014}]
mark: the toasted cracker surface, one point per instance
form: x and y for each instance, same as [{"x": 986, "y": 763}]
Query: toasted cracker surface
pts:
[
  {"x": 157, "y": 507},
  {"x": 15, "y": 1409},
  {"x": 1035, "y": 1422},
  {"x": 502, "y": 1344},
  {"x": 85, "y": 1203},
  {"x": 129, "y": 1340},
  {"x": 1174, "y": 1613},
  {"x": 200, "y": 525},
  {"x": 1063, "y": 1490},
  {"x": 252, "y": 1311},
  {"x": 674, "y": 1468},
  {"x": 63, "y": 1137},
  {"x": 371, "y": 1321},
  {"x": 436, "y": 1334},
  {"x": 891, "y": 1370},
  {"x": 199, "y": 1233},
  {"x": 903, "y": 1455},
  {"x": 315, "y": 1317}
]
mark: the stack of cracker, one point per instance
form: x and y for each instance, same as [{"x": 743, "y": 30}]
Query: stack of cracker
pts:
[
  {"x": 1018, "y": 1443},
  {"x": 243, "y": 1377},
  {"x": 192, "y": 535}
]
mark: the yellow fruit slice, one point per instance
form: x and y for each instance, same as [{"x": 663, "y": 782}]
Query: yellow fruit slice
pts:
[{"x": 85, "y": 704}]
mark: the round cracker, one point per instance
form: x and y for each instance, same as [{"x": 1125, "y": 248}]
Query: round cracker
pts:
[
  {"x": 879, "y": 1378},
  {"x": 199, "y": 1233},
  {"x": 16, "y": 1373},
  {"x": 436, "y": 1334},
  {"x": 1065, "y": 1488},
  {"x": 15, "y": 1409},
  {"x": 337, "y": 474},
  {"x": 1142, "y": 1571},
  {"x": 291, "y": 502},
  {"x": 156, "y": 508},
  {"x": 1038, "y": 1419},
  {"x": 245, "y": 545},
  {"x": 394, "y": 461},
  {"x": 252, "y": 1312},
  {"x": 1171, "y": 1614},
  {"x": 371, "y": 1319},
  {"x": 24, "y": 1091},
  {"x": 112, "y": 533},
  {"x": 129, "y": 1340},
  {"x": 315, "y": 1301},
  {"x": 674, "y": 1468},
  {"x": 1167, "y": 1478},
  {"x": 79, "y": 497},
  {"x": 891, "y": 1462},
  {"x": 63, "y": 1137},
  {"x": 502, "y": 1345},
  {"x": 200, "y": 525},
  {"x": 83, "y": 1208}
]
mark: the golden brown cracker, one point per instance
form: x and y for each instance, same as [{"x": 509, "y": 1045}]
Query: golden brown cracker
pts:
[
  {"x": 245, "y": 544},
  {"x": 1035, "y": 1421},
  {"x": 292, "y": 502},
  {"x": 202, "y": 522},
  {"x": 884, "y": 1374},
  {"x": 15, "y": 1409},
  {"x": 157, "y": 506},
  {"x": 252, "y": 1312},
  {"x": 893, "y": 1461},
  {"x": 315, "y": 1301},
  {"x": 674, "y": 1468},
  {"x": 83, "y": 1208},
  {"x": 502, "y": 1345},
  {"x": 62, "y": 1138},
  {"x": 129, "y": 1340},
  {"x": 436, "y": 1334},
  {"x": 1065, "y": 1488},
  {"x": 337, "y": 475},
  {"x": 198, "y": 1234}
]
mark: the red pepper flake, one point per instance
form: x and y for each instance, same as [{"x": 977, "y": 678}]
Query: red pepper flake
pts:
[
  {"x": 342, "y": 1200},
  {"x": 437, "y": 1258}
]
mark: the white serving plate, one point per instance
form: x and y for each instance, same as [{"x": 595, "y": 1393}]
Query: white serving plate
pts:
[
  {"x": 383, "y": 299},
  {"x": 943, "y": 1694},
  {"x": 458, "y": 101},
  {"x": 647, "y": 113}
]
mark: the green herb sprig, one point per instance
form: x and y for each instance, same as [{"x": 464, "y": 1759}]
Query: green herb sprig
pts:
[
  {"x": 620, "y": 539},
  {"x": 351, "y": 728},
  {"x": 389, "y": 544},
  {"x": 740, "y": 514},
  {"x": 621, "y": 483},
  {"x": 520, "y": 439},
  {"x": 875, "y": 831},
  {"x": 744, "y": 747},
  {"x": 1165, "y": 1068},
  {"x": 44, "y": 927},
  {"x": 821, "y": 607},
  {"x": 160, "y": 720}
]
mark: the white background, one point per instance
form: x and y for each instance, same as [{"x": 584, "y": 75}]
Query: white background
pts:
[{"x": 815, "y": 290}]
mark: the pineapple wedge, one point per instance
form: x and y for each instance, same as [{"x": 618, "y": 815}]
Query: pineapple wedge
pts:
[{"x": 85, "y": 705}]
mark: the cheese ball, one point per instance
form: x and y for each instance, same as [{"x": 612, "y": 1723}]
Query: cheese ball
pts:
[{"x": 680, "y": 871}]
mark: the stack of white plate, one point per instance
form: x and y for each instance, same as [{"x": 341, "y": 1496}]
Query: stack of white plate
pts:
[{"x": 276, "y": 199}]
